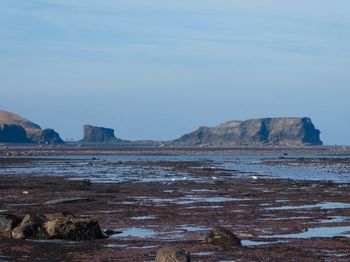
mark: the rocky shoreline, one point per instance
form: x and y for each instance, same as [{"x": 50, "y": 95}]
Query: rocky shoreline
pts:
[
  {"x": 272, "y": 217},
  {"x": 79, "y": 150}
]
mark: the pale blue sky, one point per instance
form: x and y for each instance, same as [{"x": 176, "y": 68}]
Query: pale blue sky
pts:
[{"x": 158, "y": 69}]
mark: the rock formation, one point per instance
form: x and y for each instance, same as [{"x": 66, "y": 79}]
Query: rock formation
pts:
[
  {"x": 95, "y": 134},
  {"x": 172, "y": 254},
  {"x": 265, "y": 131},
  {"x": 10, "y": 133},
  {"x": 44, "y": 136},
  {"x": 222, "y": 237},
  {"x": 50, "y": 226},
  {"x": 287, "y": 131},
  {"x": 16, "y": 129}
]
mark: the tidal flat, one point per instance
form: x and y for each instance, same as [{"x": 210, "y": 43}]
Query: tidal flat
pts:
[{"x": 284, "y": 205}]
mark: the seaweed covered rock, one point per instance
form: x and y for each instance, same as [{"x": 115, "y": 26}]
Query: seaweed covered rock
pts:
[
  {"x": 172, "y": 254},
  {"x": 50, "y": 226},
  {"x": 7, "y": 223},
  {"x": 70, "y": 227},
  {"x": 222, "y": 237},
  {"x": 25, "y": 231}
]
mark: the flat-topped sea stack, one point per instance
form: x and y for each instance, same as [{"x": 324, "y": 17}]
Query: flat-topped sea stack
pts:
[
  {"x": 98, "y": 135},
  {"x": 16, "y": 129},
  {"x": 286, "y": 131}
]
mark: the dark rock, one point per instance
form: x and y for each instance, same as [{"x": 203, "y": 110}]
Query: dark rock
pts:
[
  {"x": 172, "y": 254},
  {"x": 222, "y": 237},
  {"x": 10, "y": 133},
  {"x": 94, "y": 134},
  {"x": 84, "y": 184},
  {"x": 265, "y": 131},
  {"x": 7, "y": 224},
  {"x": 110, "y": 232}
]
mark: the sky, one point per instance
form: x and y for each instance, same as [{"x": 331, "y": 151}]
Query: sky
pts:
[{"x": 159, "y": 69}]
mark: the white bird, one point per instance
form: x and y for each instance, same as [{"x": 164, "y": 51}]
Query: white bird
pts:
[
  {"x": 173, "y": 179},
  {"x": 184, "y": 178},
  {"x": 214, "y": 177},
  {"x": 25, "y": 192},
  {"x": 254, "y": 177}
]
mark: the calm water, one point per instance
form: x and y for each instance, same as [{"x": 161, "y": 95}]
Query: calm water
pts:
[{"x": 118, "y": 169}]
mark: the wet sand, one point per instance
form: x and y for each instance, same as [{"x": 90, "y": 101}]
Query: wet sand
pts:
[{"x": 276, "y": 219}]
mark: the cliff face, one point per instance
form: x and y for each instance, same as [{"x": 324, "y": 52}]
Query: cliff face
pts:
[
  {"x": 95, "y": 134},
  {"x": 44, "y": 136},
  {"x": 264, "y": 131},
  {"x": 13, "y": 134},
  {"x": 16, "y": 129}
]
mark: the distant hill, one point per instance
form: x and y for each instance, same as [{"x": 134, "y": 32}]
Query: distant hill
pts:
[
  {"x": 16, "y": 129},
  {"x": 286, "y": 131},
  {"x": 13, "y": 119}
]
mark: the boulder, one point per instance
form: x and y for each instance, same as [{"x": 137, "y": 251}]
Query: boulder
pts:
[
  {"x": 285, "y": 131},
  {"x": 70, "y": 227},
  {"x": 7, "y": 224},
  {"x": 172, "y": 254},
  {"x": 222, "y": 237}
]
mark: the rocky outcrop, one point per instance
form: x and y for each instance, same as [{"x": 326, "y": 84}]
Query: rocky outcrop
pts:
[
  {"x": 264, "y": 131},
  {"x": 222, "y": 237},
  {"x": 50, "y": 226},
  {"x": 70, "y": 227},
  {"x": 95, "y": 134},
  {"x": 46, "y": 136},
  {"x": 11, "y": 133},
  {"x": 16, "y": 129}
]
